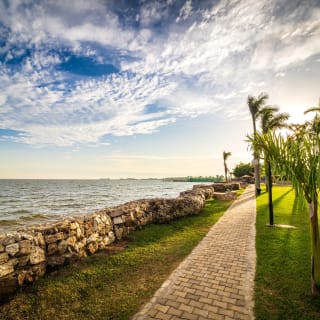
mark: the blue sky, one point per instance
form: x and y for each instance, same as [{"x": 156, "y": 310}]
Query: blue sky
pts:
[{"x": 92, "y": 89}]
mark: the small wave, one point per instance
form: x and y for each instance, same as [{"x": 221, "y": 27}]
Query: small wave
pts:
[
  {"x": 36, "y": 216},
  {"x": 22, "y": 219},
  {"x": 20, "y": 211},
  {"x": 10, "y": 200},
  {"x": 5, "y": 222}
]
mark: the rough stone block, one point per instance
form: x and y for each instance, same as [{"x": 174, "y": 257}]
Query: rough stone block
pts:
[
  {"x": 231, "y": 195},
  {"x": 74, "y": 225},
  {"x": 25, "y": 247},
  {"x": 37, "y": 255},
  {"x": 118, "y": 220},
  {"x": 107, "y": 240},
  {"x": 54, "y": 237},
  {"x": 115, "y": 213},
  {"x": 6, "y": 269},
  {"x": 23, "y": 260},
  {"x": 92, "y": 247},
  {"x": 79, "y": 233},
  {"x": 12, "y": 249},
  {"x": 52, "y": 248},
  {"x": 4, "y": 257},
  {"x": 8, "y": 240},
  {"x": 54, "y": 261},
  {"x": 26, "y": 236},
  {"x": 119, "y": 232},
  {"x": 40, "y": 239},
  {"x": 62, "y": 246},
  {"x": 79, "y": 246},
  {"x": 71, "y": 241},
  {"x": 93, "y": 238}
]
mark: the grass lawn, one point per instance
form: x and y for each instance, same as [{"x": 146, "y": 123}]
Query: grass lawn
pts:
[
  {"x": 283, "y": 289},
  {"x": 114, "y": 286}
]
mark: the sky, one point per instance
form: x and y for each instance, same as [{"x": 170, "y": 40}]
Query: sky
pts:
[{"x": 114, "y": 88}]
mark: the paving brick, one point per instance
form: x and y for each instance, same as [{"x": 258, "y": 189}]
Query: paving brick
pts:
[
  {"x": 206, "y": 300},
  {"x": 213, "y": 281},
  {"x": 220, "y": 304},
  {"x": 215, "y": 316},
  {"x": 196, "y": 304},
  {"x": 161, "y": 308},
  {"x": 183, "y": 300},
  {"x": 186, "y": 308},
  {"x": 173, "y": 303},
  {"x": 175, "y": 312},
  {"x": 210, "y": 308},
  {"x": 225, "y": 312},
  {"x": 163, "y": 316},
  {"x": 189, "y": 316},
  {"x": 180, "y": 293},
  {"x": 201, "y": 293},
  {"x": 229, "y": 300},
  {"x": 200, "y": 312},
  {"x": 237, "y": 309},
  {"x": 193, "y": 297}
]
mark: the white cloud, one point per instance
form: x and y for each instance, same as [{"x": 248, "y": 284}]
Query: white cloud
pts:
[
  {"x": 227, "y": 52},
  {"x": 185, "y": 11},
  {"x": 153, "y": 12}
]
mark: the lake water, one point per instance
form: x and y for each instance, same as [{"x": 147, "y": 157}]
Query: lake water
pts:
[{"x": 29, "y": 202}]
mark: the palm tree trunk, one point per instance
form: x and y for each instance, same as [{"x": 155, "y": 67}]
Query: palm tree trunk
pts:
[
  {"x": 256, "y": 163},
  {"x": 315, "y": 246},
  {"x": 270, "y": 204},
  {"x": 257, "y": 174},
  {"x": 266, "y": 175}
]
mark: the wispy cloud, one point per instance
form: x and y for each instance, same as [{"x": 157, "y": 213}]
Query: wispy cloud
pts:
[{"x": 189, "y": 59}]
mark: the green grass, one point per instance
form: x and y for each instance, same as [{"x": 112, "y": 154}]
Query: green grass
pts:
[
  {"x": 107, "y": 286},
  {"x": 283, "y": 289}
]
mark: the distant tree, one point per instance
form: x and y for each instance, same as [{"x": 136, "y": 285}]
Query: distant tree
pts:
[
  {"x": 218, "y": 178},
  {"x": 226, "y": 155},
  {"x": 243, "y": 169}
]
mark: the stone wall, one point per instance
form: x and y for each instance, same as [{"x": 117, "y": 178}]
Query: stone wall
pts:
[
  {"x": 224, "y": 187},
  {"x": 27, "y": 255},
  {"x": 230, "y": 195}
]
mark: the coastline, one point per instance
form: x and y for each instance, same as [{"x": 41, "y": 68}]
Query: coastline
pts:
[
  {"x": 29, "y": 254},
  {"x": 34, "y": 202}
]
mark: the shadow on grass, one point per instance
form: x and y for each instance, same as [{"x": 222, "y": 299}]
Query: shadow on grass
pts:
[{"x": 275, "y": 201}]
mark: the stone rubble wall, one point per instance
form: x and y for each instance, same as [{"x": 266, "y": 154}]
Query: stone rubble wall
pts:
[
  {"x": 224, "y": 187},
  {"x": 231, "y": 195},
  {"x": 27, "y": 255}
]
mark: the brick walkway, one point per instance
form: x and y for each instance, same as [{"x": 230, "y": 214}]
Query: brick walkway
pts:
[{"x": 216, "y": 280}]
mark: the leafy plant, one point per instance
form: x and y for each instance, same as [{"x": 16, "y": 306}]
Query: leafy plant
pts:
[{"x": 297, "y": 156}]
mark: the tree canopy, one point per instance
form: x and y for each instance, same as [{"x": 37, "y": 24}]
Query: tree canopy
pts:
[{"x": 243, "y": 169}]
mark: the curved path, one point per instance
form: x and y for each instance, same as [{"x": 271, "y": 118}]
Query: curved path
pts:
[{"x": 216, "y": 280}]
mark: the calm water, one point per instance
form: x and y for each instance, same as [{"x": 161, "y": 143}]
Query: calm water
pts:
[{"x": 29, "y": 202}]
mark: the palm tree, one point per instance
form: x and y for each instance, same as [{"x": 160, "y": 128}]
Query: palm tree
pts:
[
  {"x": 298, "y": 157},
  {"x": 315, "y": 124},
  {"x": 226, "y": 155},
  {"x": 271, "y": 121},
  {"x": 255, "y": 105}
]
